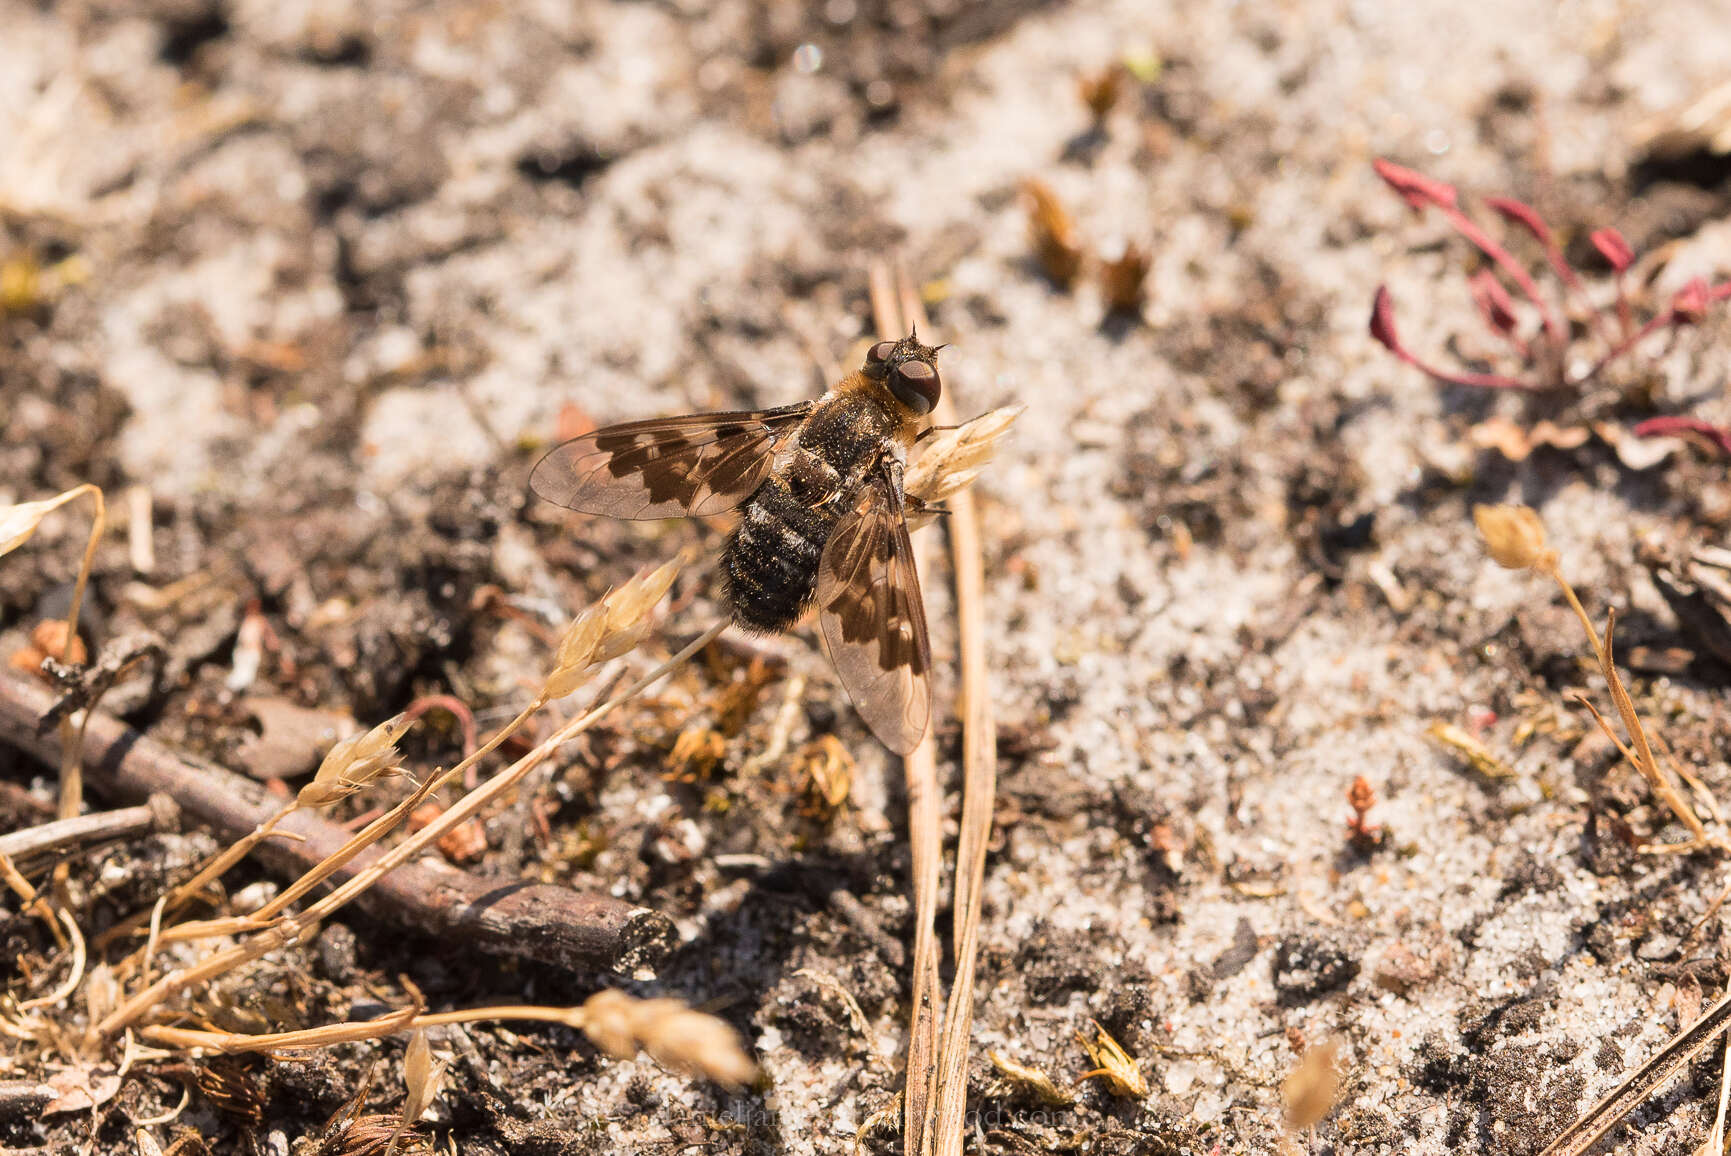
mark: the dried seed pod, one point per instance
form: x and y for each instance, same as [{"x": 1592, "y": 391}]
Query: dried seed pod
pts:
[
  {"x": 1032, "y": 1080},
  {"x": 421, "y": 1075},
  {"x": 1514, "y": 536},
  {"x": 1053, "y": 233},
  {"x": 18, "y": 522},
  {"x": 1310, "y": 1090}
]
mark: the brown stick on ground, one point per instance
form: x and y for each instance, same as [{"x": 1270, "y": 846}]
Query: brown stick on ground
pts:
[{"x": 504, "y": 917}]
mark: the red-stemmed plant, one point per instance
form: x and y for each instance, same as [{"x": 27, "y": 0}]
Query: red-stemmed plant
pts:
[{"x": 1544, "y": 353}]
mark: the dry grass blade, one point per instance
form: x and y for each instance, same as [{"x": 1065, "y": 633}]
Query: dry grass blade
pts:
[
  {"x": 947, "y": 1115},
  {"x": 925, "y": 840},
  {"x": 1627, "y": 1096}
]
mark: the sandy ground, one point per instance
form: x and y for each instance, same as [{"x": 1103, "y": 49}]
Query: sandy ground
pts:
[{"x": 322, "y": 275}]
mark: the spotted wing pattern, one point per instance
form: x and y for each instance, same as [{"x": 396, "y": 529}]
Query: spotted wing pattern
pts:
[
  {"x": 874, "y": 618},
  {"x": 701, "y": 463}
]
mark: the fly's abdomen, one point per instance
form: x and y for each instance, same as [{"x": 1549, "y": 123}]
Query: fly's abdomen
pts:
[{"x": 770, "y": 564}]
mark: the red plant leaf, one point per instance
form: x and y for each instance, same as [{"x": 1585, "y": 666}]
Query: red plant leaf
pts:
[
  {"x": 1689, "y": 305},
  {"x": 1415, "y": 188},
  {"x": 1382, "y": 328},
  {"x": 1613, "y": 248},
  {"x": 1523, "y": 215},
  {"x": 1382, "y": 322},
  {"x": 1655, "y": 427},
  {"x": 1495, "y": 304}
]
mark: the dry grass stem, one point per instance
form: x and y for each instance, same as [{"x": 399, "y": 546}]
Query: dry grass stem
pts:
[
  {"x": 600, "y": 632},
  {"x": 273, "y": 937},
  {"x": 937, "y": 1093},
  {"x": 1673, "y": 1058},
  {"x": 924, "y": 804},
  {"x": 1515, "y": 538},
  {"x": 234, "y": 1042}
]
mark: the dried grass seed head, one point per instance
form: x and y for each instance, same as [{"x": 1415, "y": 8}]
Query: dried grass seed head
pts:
[
  {"x": 687, "y": 1041},
  {"x": 1514, "y": 536},
  {"x": 1030, "y": 1079},
  {"x": 951, "y": 459},
  {"x": 614, "y": 625},
  {"x": 355, "y": 762}
]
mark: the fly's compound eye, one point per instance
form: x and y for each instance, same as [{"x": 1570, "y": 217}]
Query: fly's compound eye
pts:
[
  {"x": 877, "y": 356},
  {"x": 916, "y": 386}
]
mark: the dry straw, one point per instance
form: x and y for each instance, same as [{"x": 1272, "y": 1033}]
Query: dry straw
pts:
[
  {"x": 934, "y": 1118},
  {"x": 669, "y": 1031}
]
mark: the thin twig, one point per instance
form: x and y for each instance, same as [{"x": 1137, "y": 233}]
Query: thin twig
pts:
[
  {"x": 1627, "y": 1096},
  {"x": 160, "y": 814},
  {"x": 538, "y": 921}
]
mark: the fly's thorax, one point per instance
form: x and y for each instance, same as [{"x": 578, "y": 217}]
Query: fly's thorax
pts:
[{"x": 848, "y": 432}]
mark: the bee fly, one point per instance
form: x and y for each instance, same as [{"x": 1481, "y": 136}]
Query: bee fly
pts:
[{"x": 823, "y": 517}]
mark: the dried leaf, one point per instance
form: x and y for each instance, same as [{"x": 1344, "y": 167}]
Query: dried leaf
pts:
[
  {"x": 81, "y": 1088},
  {"x": 1477, "y": 754},
  {"x": 1117, "y": 1067},
  {"x": 1053, "y": 233}
]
